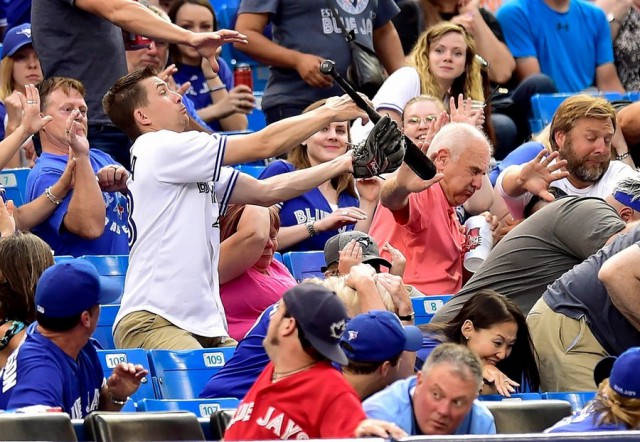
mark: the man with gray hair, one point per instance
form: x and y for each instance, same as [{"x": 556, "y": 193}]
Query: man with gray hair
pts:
[
  {"x": 418, "y": 217},
  {"x": 440, "y": 399},
  {"x": 578, "y": 321}
]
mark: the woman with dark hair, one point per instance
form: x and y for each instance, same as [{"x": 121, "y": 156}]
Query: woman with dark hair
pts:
[
  {"x": 23, "y": 258},
  {"x": 250, "y": 279},
  {"x": 494, "y": 328},
  {"x": 216, "y": 99}
]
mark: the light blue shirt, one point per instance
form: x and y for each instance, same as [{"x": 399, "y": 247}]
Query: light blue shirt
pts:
[{"x": 393, "y": 404}]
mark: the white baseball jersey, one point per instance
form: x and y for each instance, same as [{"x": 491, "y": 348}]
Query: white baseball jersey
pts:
[{"x": 177, "y": 189}]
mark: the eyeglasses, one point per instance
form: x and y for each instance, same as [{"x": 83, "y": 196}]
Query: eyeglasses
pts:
[{"x": 414, "y": 121}]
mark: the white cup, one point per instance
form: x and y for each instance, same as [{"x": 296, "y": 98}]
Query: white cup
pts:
[{"x": 479, "y": 242}]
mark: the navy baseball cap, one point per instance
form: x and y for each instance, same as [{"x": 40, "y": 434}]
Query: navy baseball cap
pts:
[
  {"x": 70, "y": 287},
  {"x": 15, "y": 38},
  {"x": 322, "y": 317},
  {"x": 378, "y": 336},
  {"x": 624, "y": 378}
]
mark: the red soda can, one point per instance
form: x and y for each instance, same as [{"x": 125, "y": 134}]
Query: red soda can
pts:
[
  {"x": 133, "y": 42},
  {"x": 242, "y": 75}
]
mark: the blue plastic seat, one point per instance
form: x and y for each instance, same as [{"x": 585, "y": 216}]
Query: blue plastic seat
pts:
[
  {"x": 103, "y": 333},
  {"x": 183, "y": 374},
  {"x": 15, "y": 184},
  {"x": 110, "y": 358},
  {"x": 112, "y": 266},
  {"x": 278, "y": 257},
  {"x": 61, "y": 258},
  {"x": 254, "y": 171},
  {"x": 304, "y": 265},
  {"x": 199, "y": 407},
  {"x": 426, "y": 307},
  {"x": 577, "y": 399},
  {"x": 514, "y": 397}
]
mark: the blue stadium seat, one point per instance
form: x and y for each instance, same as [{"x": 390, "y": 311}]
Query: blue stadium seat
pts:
[
  {"x": 545, "y": 105},
  {"x": 514, "y": 397},
  {"x": 254, "y": 171},
  {"x": 103, "y": 334},
  {"x": 577, "y": 399},
  {"x": 257, "y": 119},
  {"x": 427, "y": 306},
  {"x": 110, "y": 358},
  {"x": 199, "y": 407},
  {"x": 183, "y": 374},
  {"x": 278, "y": 256},
  {"x": 304, "y": 265},
  {"x": 633, "y": 95},
  {"x": 112, "y": 266},
  {"x": 15, "y": 184},
  {"x": 61, "y": 258}
]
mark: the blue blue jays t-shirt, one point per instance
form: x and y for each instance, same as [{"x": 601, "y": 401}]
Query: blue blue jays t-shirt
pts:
[
  {"x": 248, "y": 361},
  {"x": 113, "y": 241},
  {"x": 568, "y": 45},
  {"x": 311, "y": 206},
  {"x": 40, "y": 373},
  {"x": 585, "y": 420},
  {"x": 199, "y": 90}
]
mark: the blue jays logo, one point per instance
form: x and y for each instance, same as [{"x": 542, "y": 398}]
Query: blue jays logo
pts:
[{"x": 353, "y": 6}]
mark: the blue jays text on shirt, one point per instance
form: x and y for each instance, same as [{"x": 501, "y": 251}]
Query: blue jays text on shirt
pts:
[
  {"x": 310, "y": 214},
  {"x": 359, "y": 25}
]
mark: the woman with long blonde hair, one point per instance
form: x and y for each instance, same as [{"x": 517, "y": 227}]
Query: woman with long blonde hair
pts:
[
  {"x": 442, "y": 64},
  {"x": 617, "y": 403},
  {"x": 308, "y": 221}
]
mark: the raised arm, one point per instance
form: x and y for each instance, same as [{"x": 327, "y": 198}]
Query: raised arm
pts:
[
  {"x": 386, "y": 43},
  {"x": 401, "y": 184},
  {"x": 534, "y": 176},
  {"x": 86, "y": 212},
  {"x": 283, "y": 187},
  {"x": 240, "y": 251},
  {"x": 607, "y": 78},
  {"x": 135, "y": 17},
  {"x": 280, "y": 137},
  {"x": 621, "y": 277},
  {"x": 267, "y": 52}
]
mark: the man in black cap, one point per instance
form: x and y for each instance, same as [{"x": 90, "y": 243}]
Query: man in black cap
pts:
[
  {"x": 300, "y": 395},
  {"x": 57, "y": 366}
]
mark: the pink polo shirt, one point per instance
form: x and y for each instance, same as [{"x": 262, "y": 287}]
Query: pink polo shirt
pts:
[
  {"x": 247, "y": 296},
  {"x": 430, "y": 239}
]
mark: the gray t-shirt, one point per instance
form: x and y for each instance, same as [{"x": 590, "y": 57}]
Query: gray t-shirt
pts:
[
  {"x": 540, "y": 250},
  {"x": 309, "y": 26},
  {"x": 77, "y": 44},
  {"x": 579, "y": 293}
]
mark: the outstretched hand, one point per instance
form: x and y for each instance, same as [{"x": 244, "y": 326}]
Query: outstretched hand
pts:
[
  {"x": 76, "y": 134},
  {"x": 125, "y": 380},
  {"x": 207, "y": 43},
  {"x": 32, "y": 121},
  {"x": 536, "y": 175}
]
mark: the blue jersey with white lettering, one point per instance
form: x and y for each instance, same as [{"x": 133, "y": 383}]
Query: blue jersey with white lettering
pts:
[
  {"x": 248, "y": 361},
  {"x": 585, "y": 420},
  {"x": 113, "y": 241},
  {"x": 311, "y": 206},
  {"x": 40, "y": 373}
]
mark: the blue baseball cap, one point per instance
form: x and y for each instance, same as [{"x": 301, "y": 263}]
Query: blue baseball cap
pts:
[
  {"x": 378, "y": 336},
  {"x": 70, "y": 287},
  {"x": 624, "y": 378},
  {"x": 15, "y": 38},
  {"x": 322, "y": 317}
]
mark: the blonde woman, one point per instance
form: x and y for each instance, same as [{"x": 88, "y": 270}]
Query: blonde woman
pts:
[
  {"x": 442, "y": 64},
  {"x": 617, "y": 403}
]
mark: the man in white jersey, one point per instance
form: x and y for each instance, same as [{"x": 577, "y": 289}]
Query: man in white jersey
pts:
[
  {"x": 177, "y": 189},
  {"x": 580, "y": 135}
]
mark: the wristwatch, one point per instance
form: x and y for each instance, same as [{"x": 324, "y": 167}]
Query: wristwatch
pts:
[{"x": 410, "y": 317}]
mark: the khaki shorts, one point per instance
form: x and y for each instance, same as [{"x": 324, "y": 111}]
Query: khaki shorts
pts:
[
  {"x": 143, "y": 329},
  {"x": 567, "y": 349}
]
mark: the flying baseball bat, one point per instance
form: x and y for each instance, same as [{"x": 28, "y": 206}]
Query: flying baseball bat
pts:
[{"x": 413, "y": 157}]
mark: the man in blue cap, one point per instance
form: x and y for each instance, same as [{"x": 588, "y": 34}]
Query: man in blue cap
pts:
[
  {"x": 57, "y": 365},
  {"x": 375, "y": 343},
  {"x": 300, "y": 395}
]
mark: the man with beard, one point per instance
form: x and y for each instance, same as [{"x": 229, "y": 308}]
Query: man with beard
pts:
[{"x": 580, "y": 135}]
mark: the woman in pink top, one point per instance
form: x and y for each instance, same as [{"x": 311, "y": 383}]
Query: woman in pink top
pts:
[{"x": 250, "y": 279}]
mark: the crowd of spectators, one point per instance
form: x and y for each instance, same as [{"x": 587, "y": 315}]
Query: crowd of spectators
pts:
[{"x": 128, "y": 145}]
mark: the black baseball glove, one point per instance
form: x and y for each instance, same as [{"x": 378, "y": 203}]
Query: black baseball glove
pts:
[{"x": 382, "y": 151}]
